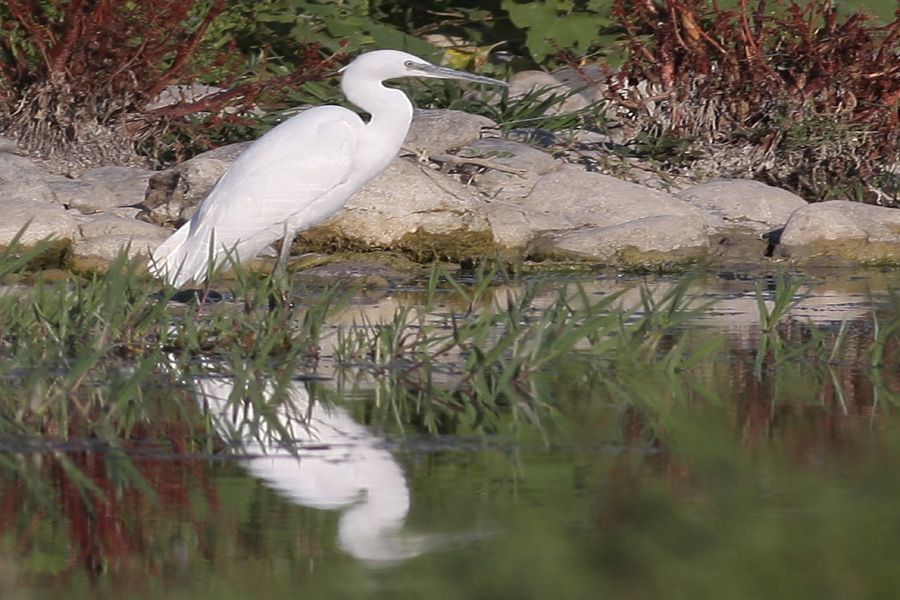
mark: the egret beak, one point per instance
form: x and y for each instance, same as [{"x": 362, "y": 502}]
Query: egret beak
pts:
[{"x": 437, "y": 72}]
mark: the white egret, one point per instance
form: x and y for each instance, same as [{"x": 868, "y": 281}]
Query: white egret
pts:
[{"x": 302, "y": 171}]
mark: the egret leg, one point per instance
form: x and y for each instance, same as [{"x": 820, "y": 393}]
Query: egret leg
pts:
[
  {"x": 280, "y": 268},
  {"x": 285, "y": 252}
]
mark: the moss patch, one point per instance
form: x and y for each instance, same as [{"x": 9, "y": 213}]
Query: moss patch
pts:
[
  {"x": 627, "y": 259},
  {"x": 843, "y": 252},
  {"x": 420, "y": 246},
  {"x": 459, "y": 246},
  {"x": 52, "y": 255}
]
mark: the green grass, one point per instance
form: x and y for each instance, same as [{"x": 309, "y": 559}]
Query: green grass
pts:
[{"x": 88, "y": 361}]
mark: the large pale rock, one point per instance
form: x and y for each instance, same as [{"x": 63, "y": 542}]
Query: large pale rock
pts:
[
  {"x": 110, "y": 225},
  {"x": 18, "y": 169},
  {"x": 409, "y": 208},
  {"x": 842, "y": 231},
  {"x": 96, "y": 254},
  {"x": 44, "y": 222},
  {"x": 591, "y": 199},
  {"x": 227, "y": 154},
  {"x": 84, "y": 196},
  {"x": 36, "y": 191},
  {"x": 665, "y": 241},
  {"x": 744, "y": 203},
  {"x": 514, "y": 226},
  {"x": 128, "y": 184},
  {"x": 517, "y": 167},
  {"x": 101, "y": 239},
  {"x": 437, "y": 131}
]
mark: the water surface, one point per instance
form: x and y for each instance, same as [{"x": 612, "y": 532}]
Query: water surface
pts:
[{"x": 731, "y": 476}]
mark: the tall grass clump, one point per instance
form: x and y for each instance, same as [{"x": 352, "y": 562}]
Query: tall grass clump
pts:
[{"x": 468, "y": 368}]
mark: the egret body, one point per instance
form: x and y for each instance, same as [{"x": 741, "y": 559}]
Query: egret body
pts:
[{"x": 302, "y": 171}]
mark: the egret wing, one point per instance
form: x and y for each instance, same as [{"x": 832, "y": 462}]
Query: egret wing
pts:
[{"x": 282, "y": 173}]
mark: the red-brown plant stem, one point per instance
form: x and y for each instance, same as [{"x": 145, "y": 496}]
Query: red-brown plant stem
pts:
[{"x": 73, "y": 29}]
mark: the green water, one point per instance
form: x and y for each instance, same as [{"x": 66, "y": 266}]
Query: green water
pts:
[{"x": 728, "y": 477}]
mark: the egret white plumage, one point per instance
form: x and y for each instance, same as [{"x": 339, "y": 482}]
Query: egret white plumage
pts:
[{"x": 302, "y": 171}]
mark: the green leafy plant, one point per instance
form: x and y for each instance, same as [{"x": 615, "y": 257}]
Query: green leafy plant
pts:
[{"x": 554, "y": 26}]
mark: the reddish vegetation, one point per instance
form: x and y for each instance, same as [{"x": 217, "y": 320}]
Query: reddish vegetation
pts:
[
  {"x": 112, "y": 526},
  {"x": 781, "y": 76},
  {"x": 77, "y": 74}
]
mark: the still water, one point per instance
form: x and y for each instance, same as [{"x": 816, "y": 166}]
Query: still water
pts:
[{"x": 732, "y": 477}]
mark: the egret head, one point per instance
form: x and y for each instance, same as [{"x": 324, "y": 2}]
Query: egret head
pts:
[{"x": 393, "y": 64}]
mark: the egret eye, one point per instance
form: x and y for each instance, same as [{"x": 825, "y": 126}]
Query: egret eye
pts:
[{"x": 409, "y": 64}]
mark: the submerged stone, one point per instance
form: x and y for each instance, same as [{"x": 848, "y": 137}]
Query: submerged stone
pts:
[{"x": 367, "y": 272}]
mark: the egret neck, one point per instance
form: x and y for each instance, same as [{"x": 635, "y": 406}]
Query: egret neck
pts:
[{"x": 390, "y": 112}]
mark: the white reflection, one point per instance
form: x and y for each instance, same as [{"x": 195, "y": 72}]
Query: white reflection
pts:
[{"x": 336, "y": 464}]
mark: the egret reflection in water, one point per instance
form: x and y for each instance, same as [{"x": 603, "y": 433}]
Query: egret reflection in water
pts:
[{"x": 318, "y": 456}]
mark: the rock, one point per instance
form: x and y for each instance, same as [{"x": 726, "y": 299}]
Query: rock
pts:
[
  {"x": 181, "y": 94},
  {"x": 437, "y": 131},
  {"x": 44, "y": 221},
  {"x": 744, "y": 202},
  {"x": 36, "y": 191},
  {"x": 666, "y": 242},
  {"x": 738, "y": 248},
  {"x": 408, "y": 208},
  {"x": 543, "y": 85},
  {"x": 362, "y": 273},
  {"x": 128, "y": 184},
  {"x": 110, "y": 225},
  {"x": 533, "y": 136},
  {"x": 227, "y": 154},
  {"x": 130, "y": 212},
  {"x": 94, "y": 255},
  {"x": 590, "y": 199},
  {"x": 84, "y": 196},
  {"x": 520, "y": 167},
  {"x": 839, "y": 231},
  {"x": 8, "y": 145},
  {"x": 101, "y": 239},
  {"x": 21, "y": 170},
  {"x": 514, "y": 226},
  {"x": 587, "y": 80},
  {"x": 173, "y": 194}
]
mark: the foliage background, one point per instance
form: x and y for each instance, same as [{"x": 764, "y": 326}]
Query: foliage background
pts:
[{"x": 81, "y": 82}]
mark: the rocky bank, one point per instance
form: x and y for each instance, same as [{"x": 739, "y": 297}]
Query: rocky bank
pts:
[{"x": 460, "y": 193}]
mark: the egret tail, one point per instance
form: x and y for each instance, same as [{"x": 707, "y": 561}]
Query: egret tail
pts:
[{"x": 179, "y": 260}]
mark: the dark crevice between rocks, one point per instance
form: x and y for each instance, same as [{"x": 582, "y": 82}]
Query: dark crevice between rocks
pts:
[{"x": 773, "y": 238}]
